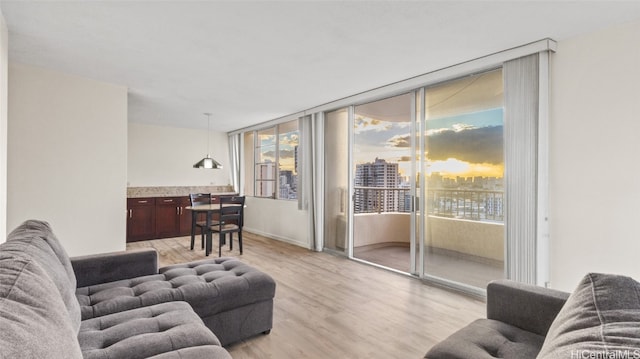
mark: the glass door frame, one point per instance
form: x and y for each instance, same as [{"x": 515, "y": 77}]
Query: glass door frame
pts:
[{"x": 415, "y": 243}]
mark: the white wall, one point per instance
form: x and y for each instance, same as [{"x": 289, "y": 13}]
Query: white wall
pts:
[
  {"x": 594, "y": 155},
  {"x": 164, "y": 156},
  {"x": 4, "y": 47},
  {"x": 67, "y": 157},
  {"x": 277, "y": 219}
]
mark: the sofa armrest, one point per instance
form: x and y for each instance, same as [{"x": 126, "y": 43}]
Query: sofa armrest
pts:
[
  {"x": 109, "y": 267},
  {"x": 525, "y": 306}
]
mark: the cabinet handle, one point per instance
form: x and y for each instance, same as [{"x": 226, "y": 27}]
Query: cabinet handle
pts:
[
  {"x": 181, "y": 210},
  {"x": 178, "y": 211},
  {"x": 130, "y": 213},
  {"x": 143, "y": 201},
  {"x": 167, "y": 200}
]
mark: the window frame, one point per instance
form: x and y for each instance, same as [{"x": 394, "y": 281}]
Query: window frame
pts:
[{"x": 257, "y": 161}]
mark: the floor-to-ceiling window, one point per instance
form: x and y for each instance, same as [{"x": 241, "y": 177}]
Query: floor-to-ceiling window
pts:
[
  {"x": 457, "y": 166},
  {"x": 382, "y": 195},
  {"x": 437, "y": 152},
  {"x": 464, "y": 171}
]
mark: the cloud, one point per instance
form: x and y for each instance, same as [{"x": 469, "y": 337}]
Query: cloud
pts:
[
  {"x": 473, "y": 145},
  {"x": 399, "y": 141},
  {"x": 362, "y": 124},
  {"x": 286, "y": 154},
  {"x": 292, "y": 139},
  {"x": 463, "y": 142}
]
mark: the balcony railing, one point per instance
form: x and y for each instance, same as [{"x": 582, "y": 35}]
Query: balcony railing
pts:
[{"x": 477, "y": 205}]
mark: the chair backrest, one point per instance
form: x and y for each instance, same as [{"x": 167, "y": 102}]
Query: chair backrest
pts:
[
  {"x": 200, "y": 198},
  {"x": 232, "y": 209}
]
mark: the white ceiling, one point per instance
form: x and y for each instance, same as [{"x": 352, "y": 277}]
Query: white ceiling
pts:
[{"x": 248, "y": 62}]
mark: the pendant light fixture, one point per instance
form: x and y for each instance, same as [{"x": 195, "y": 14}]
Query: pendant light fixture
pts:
[{"x": 208, "y": 162}]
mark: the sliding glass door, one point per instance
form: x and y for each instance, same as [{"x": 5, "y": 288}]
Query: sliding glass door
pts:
[
  {"x": 464, "y": 189},
  {"x": 382, "y": 182},
  {"x": 424, "y": 189}
]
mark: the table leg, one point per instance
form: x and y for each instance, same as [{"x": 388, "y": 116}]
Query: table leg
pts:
[
  {"x": 208, "y": 244},
  {"x": 193, "y": 227}
]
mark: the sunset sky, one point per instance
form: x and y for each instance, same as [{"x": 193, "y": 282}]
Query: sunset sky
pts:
[{"x": 464, "y": 145}]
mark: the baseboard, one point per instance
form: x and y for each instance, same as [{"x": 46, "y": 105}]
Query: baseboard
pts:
[{"x": 276, "y": 237}]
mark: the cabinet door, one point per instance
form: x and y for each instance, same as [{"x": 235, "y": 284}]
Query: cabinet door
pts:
[
  {"x": 141, "y": 219},
  {"x": 185, "y": 217},
  {"x": 167, "y": 217}
]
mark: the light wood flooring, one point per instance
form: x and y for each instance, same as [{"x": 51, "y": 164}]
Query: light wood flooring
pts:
[
  {"x": 449, "y": 266},
  {"x": 328, "y": 306}
]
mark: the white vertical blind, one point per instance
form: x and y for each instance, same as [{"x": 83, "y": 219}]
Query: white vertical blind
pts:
[
  {"x": 311, "y": 193},
  {"x": 234, "y": 160},
  {"x": 521, "y": 89}
]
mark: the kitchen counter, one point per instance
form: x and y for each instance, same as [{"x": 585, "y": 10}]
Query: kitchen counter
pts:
[{"x": 176, "y": 191}]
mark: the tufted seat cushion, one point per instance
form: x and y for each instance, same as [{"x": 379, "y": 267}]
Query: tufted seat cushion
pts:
[
  {"x": 163, "y": 331},
  {"x": 210, "y": 286},
  {"x": 488, "y": 339}
]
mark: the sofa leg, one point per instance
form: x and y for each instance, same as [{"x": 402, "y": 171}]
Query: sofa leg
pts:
[{"x": 266, "y": 332}]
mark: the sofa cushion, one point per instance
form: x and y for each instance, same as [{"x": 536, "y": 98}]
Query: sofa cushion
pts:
[
  {"x": 203, "y": 351},
  {"x": 168, "y": 330},
  {"x": 601, "y": 319},
  {"x": 34, "y": 240},
  {"x": 34, "y": 322},
  {"x": 487, "y": 339},
  {"x": 210, "y": 286}
]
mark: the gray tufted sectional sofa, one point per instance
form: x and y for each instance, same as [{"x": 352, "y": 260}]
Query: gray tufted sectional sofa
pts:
[{"x": 120, "y": 305}]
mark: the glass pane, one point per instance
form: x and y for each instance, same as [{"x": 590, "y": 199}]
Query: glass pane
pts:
[
  {"x": 265, "y": 163},
  {"x": 382, "y": 182},
  {"x": 464, "y": 237},
  {"x": 288, "y": 141},
  {"x": 336, "y": 179},
  {"x": 248, "y": 147}
]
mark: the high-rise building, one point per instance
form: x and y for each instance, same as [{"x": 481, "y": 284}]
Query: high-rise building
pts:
[
  {"x": 380, "y": 174},
  {"x": 265, "y": 180}
]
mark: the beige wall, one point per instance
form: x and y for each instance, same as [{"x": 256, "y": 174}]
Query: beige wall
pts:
[
  {"x": 374, "y": 228},
  {"x": 4, "y": 47},
  {"x": 277, "y": 219},
  {"x": 475, "y": 238},
  {"x": 164, "y": 156},
  {"x": 594, "y": 151},
  {"x": 67, "y": 157}
]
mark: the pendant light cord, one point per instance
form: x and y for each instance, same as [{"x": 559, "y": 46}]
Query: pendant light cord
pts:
[{"x": 208, "y": 134}]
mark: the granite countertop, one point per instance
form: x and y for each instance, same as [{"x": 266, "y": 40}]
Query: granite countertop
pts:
[{"x": 176, "y": 191}]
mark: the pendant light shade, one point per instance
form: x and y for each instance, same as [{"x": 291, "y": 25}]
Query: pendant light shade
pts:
[{"x": 208, "y": 162}]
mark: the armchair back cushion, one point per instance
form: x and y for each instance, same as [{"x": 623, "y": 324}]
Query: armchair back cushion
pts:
[
  {"x": 601, "y": 319},
  {"x": 34, "y": 321},
  {"x": 34, "y": 240}
]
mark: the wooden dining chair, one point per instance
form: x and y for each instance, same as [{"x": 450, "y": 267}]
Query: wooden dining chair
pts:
[
  {"x": 230, "y": 220},
  {"x": 200, "y": 199}
]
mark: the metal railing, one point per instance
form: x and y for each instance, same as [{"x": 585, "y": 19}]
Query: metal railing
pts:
[
  {"x": 382, "y": 199},
  {"x": 477, "y": 205}
]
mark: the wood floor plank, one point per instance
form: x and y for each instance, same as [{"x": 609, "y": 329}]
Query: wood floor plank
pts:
[{"x": 327, "y": 306}]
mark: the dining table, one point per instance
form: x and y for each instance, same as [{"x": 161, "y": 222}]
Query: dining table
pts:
[{"x": 209, "y": 209}]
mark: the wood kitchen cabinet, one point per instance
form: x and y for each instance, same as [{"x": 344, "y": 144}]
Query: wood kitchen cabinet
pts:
[
  {"x": 168, "y": 217},
  {"x": 185, "y": 217},
  {"x": 141, "y": 219},
  {"x": 172, "y": 217},
  {"x": 158, "y": 217}
]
